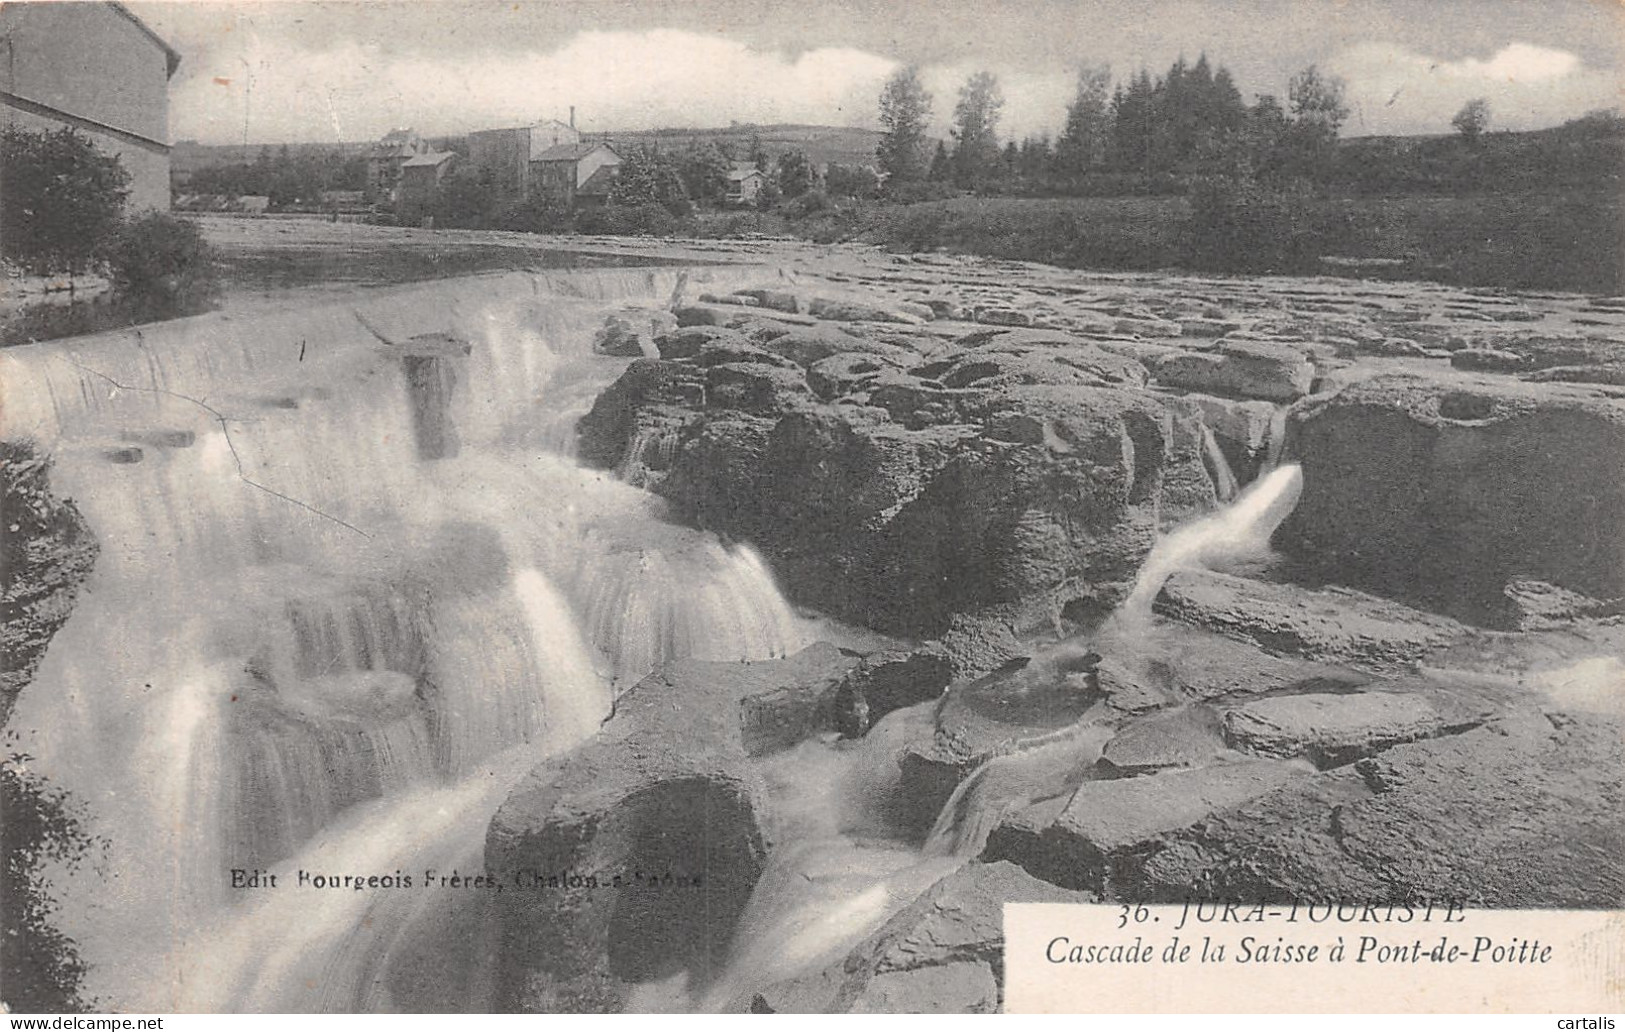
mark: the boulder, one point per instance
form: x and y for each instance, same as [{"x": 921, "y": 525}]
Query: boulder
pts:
[
  {"x": 961, "y": 499},
  {"x": 943, "y": 953},
  {"x": 1001, "y": 315},
  {"x": 632, "y": 334},
  {"x": 1332, "y": 625},
  {"x": 778, "y": 300},
  {"x": 808, "y": 346},
  {"x": 890, "y": 680},
  {"x": 850, "y": 310},
  {"x": 1097, "y": 840},
  {"x": 1187, "y": 738},
  {"x": 847, "y": 373},
  {"x": 1442, "y": 491},
  {"x": 703, "y": 315},
  {"x": 1330, "y": 730},
  {"x": 1524, "y": 813},
  {"x": 663, "y": 811},
  {"x": 1246, "y": 431},
  {"x": 1240, "y": 368},
  {"x": 1149, "y": 327},
  {"x": 1005, "y": 365}
]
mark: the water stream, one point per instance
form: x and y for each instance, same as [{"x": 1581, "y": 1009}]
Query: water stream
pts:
[{"x": 352, "y": 586}]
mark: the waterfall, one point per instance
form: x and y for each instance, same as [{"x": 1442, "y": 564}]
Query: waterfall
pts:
[
  {"x": 351, "y": 588},
  {"x": 1239, "y": 529}
]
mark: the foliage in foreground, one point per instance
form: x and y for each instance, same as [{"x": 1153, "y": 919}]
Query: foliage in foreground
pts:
[
  {"x": 60, "y": 200},
  {"x": 164, "y": 267}
]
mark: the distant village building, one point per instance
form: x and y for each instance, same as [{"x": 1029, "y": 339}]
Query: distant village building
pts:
[
  {"x": 97, "y": 68},
  {"x": 745, "y": 182},
  {"x": 505, "y": 155},
  {"x": 574, "y": 173},
  {"x": 386, "y": 160},
  {"x": 421, "y": 176}
]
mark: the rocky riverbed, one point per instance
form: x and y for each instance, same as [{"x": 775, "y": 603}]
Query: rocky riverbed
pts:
[{"x": 1415, "y": 693}]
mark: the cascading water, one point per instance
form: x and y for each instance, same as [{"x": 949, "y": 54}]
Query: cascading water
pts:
[
  {"x": 1242, "y": 528},
  {"x": 836, "y": 878},
  {"x": 351, "y": 588}
]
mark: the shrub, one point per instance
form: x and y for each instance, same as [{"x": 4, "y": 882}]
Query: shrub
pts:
[
  {"x": 813, "y": 202},
  {"x": 1238, "y": 226},
  {"x": 60, "y": 199},
  {"x": 163, "y": 267},
  {"x": 537, "y": 215},
  {"x": 915, "y": 191},
  {"x": 646, "y": 219}
]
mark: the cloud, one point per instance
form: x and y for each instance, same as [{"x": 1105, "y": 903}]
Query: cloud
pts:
[
  {"x": 615, "y": 79},
  {"x": 1393, "y": 89},
  {"x": 270, "y": 89}
]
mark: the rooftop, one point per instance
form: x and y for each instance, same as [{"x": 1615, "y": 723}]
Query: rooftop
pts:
[{"x": 569, "y": 151}]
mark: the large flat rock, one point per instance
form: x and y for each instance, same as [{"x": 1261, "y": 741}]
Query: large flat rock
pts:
[
  {"x": 1098, "y": 839},
  {"x": 1334, "y": 624},
  {"x": 1333, "y": 729},
  {"x": 1526, "y": 813}
]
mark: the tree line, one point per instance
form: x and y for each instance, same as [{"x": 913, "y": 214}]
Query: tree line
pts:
[
  {"x": 1158, "y": 131},
  {"x": 289, "y": 178}
]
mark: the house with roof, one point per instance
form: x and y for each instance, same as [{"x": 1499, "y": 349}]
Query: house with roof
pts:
[
  {"x": 745, "y": 182},
  {"x": 505, "y": 156},
  {"x": 572, "y": 174},
  {"x": 421, "y": 176},
  {"x": 385, "y": 163},
  {"x": 98, "y": 69}
]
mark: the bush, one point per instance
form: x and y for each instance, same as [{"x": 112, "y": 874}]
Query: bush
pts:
[
  {"x": 537, "y": 215},
  {"x": 1238, "y": 226},
  {"x": 163, "y": 267},
  {"x": 915, "y": 191},
  {"x": 60, "y": 200},
  {"x": 813, "y": 202},
  {"x": 41, "y": 967},
  {"x": 646, "y": 219}
]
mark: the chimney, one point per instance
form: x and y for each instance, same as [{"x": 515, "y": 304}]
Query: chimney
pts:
[{"x": 572, "y": 116}]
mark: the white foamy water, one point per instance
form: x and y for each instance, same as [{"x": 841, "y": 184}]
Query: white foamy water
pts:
[
  {"x": 1240, "y": 529},
  {"x": 351, "y": 587}
]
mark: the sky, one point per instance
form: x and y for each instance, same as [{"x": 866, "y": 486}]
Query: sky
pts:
[{"x": 301, "y": 71}]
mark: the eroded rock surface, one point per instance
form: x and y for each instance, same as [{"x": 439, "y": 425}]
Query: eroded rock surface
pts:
[{"x": 667, "y": 818}]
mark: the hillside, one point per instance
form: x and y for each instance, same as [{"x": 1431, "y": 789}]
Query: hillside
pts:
[{"x": 822, "y": 143}]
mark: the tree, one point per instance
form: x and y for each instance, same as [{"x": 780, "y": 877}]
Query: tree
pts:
[
  {"x": 905, "y": 110},
  {"x": 756, "y": 153},
  {"x": 795, "y": 173},
  {"x": 1318, "y": 112},
  {"x": 1082, "y": 143},
  {"x": 942, "y": 166},
  {"x": 1472, "y": 119},
  {"x": 647, "y": 176},
  {"x": 60, "y": 199},
  {"x": 1134, "y": 123},
  {"x": 704, "y": 169},
  {"x": 851, "y": 181},
  {"x": 1317, "y": 104},
  {"x": 976, "y": 129},
  {"x": 466, "y": 200}
]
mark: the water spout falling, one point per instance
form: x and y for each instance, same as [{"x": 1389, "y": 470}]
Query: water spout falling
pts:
[{"x": 1242, "y": 528}]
